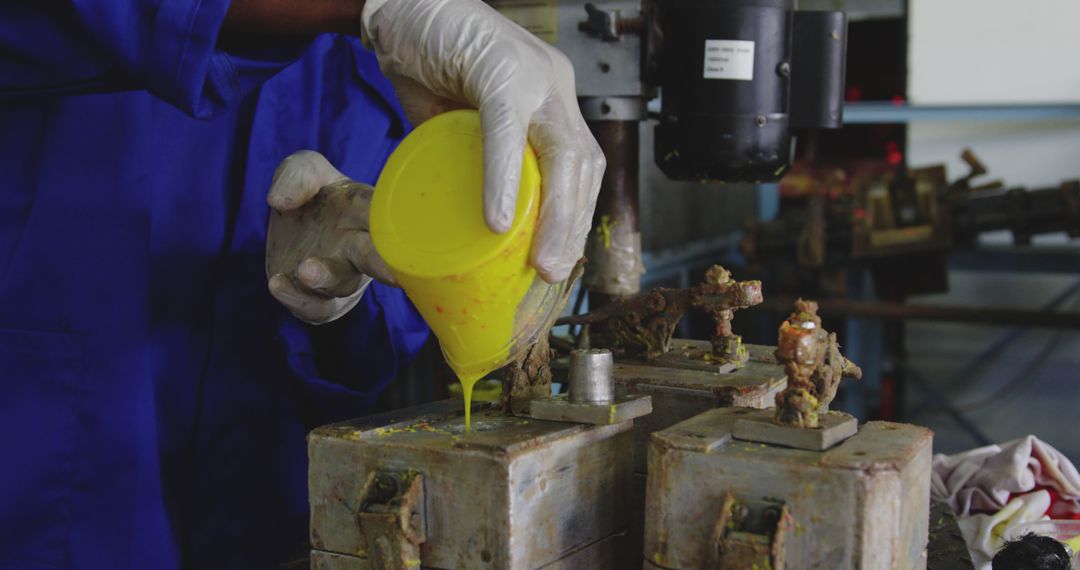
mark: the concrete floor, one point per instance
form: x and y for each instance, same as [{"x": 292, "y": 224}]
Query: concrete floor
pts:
[{"x": 1032, "y": 387}]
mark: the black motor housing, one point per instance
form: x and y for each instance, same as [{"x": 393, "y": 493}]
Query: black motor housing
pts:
[{"x": 729, "y": 71}]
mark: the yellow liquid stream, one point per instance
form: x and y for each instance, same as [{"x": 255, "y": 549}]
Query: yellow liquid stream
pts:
[
  {"x": 467, "y": 383},
  {"x": 474, "y": 316},
  {"x": 475, "y": 319},
  {"x": 468, "y": 282},
  {"x": 485, "y": 389}
]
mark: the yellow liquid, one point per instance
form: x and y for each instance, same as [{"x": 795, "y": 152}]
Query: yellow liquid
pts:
[
  {"x": 481, "y": 319},
  {"x": 497, "y": 331},
  {"x": 483, "y": 390},
  {"x": 469, "y": 379},
  {"x": 466, "y": 391},
  {"x": 475, "y": 317},
  {"x": 479, "y": 325},
  {"x": 427, "y": 222}
]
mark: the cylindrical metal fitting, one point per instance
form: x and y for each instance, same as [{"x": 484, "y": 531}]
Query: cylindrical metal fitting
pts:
[
  {"x": 614, "y": 249},
  {"x": 591, "y": 378}
]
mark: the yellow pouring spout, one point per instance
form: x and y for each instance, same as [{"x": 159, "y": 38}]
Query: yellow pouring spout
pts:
[{"x": 474, "y": 287}]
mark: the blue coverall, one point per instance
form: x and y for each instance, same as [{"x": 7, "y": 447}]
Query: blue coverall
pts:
[{"x": 154, "y": 398}]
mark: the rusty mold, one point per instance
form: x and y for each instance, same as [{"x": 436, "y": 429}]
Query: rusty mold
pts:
[
  {"x": 814, "y": 366},
  {"x": 641, "y": 327},
  {"x": 523, "y": 494}
]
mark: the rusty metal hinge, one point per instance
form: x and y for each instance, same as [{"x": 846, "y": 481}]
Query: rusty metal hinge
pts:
[
  {"x": 750, "y": 535},
  {"x": 392, "y": 519}
]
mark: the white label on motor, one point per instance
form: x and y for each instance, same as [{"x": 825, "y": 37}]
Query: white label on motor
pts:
[{"x": 729, "y": 59}]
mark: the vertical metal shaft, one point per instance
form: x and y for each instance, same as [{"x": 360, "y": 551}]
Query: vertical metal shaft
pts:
[{"x": 614, "y": 247}]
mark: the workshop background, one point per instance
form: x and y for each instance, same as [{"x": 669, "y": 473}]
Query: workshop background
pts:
[{"x": 976, "y": 336}]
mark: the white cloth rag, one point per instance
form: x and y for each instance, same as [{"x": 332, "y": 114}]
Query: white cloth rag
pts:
[
  {"x": 984, "y": 534},
  {"x": 983, "y": 479}
]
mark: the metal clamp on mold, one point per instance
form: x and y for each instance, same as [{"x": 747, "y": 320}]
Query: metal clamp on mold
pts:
[
  {"x": 391, "y": 519},
  {"x": 750, "y": 534}
]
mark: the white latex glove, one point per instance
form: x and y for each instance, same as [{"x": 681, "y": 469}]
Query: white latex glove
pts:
[
  {"x": 449, "y": 54},
  {"x": 319, "y": 255}
]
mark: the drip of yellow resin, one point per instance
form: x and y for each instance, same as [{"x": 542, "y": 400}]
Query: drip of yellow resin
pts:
[
  {"x": 483, "y": 389},
  {"x": 468, "y": 381},
  {"x": 466, "y": 391}
]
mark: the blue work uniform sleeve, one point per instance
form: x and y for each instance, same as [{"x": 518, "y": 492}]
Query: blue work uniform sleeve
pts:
[
  {"x": 334, "y": 100},
  {"x": 345, "y": 365},
  {"x": 167, "y": 47}
]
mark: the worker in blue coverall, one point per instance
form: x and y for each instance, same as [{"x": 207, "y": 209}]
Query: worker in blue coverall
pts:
[{"x": 154, "y": 398}]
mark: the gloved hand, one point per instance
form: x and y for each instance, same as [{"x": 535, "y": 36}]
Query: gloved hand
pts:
[
  {"x": 451, "y": 54},
  {"x": 319, "y": 255}
]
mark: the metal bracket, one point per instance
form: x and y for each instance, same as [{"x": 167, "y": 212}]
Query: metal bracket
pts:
[
  {"x": 601, "y": 22},
  {"x": 759, "y": 427},
  {"x": 641, "y": 327},
  {"x": 608, "y": 25},
  {"x": 613, "y": 108},
  {"x": 592, "y": 394},
  {"x": 562, "y": 409},
  {"x": 392, "y": 519},
  {"x": 749, "y": 534}
]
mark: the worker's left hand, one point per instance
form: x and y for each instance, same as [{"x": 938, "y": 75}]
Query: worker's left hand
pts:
[
  {"x": 319, "y": 255},
  {"x": 449, "y": 54}
]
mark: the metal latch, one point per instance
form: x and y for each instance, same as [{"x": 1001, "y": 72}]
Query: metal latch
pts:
[
  {"x": 392, "y": 519},
  {"x": 750, "y": 534}
]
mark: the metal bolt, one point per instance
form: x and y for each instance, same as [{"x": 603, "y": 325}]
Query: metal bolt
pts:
[
  {"x": 784, "y": 69},
  {"x": 590, "y": 377},
  {"x": 605, "y": 67},
  {"x": 605, "y": 108},
  {"x": 761, "y": 120}
]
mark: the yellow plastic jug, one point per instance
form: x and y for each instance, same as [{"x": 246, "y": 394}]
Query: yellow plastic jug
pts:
[{"x": 475, "y": 288}]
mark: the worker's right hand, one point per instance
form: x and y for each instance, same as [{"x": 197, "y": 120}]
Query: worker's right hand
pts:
[
  {"x": 319, "y": 255},
  {"x": 451, "y": 54}
]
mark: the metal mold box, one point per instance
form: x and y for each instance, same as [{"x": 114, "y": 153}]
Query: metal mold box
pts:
[
  {"x": 683, "y": 386},
  {"x": 515, "y": 493},
  {"x": 862, "y": 504}
]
